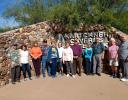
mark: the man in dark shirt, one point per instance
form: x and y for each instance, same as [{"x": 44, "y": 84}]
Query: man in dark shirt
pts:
[
  {"x": 77, "y": 61},
  {"x": 98, "y": 55}
]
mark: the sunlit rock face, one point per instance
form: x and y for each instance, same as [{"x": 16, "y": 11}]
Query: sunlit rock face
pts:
[{"x": 37, "y": 33}]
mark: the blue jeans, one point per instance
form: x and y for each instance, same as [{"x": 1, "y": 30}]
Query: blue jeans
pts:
[
  {"x": 26, "y": 68},
  {"x": 53, "y": 66},
  {"x": 44, "y": 66},
  {"x": 44, "y": 61}
]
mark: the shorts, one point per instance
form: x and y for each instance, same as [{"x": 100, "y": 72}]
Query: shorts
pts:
[{"x": 114, "y": 63}]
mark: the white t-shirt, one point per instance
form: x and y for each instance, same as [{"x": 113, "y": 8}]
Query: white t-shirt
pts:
[
  {"x": 24, "y": 57},
  {"x": 60, "y": 51}
]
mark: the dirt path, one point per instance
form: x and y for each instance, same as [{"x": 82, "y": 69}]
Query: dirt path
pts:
[{"x": 63, "y": 88}]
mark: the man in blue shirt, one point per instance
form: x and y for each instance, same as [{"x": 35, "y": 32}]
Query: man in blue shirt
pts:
[
  {"x": 98, "y": 55},
  {"x": 123, "y": 55}
]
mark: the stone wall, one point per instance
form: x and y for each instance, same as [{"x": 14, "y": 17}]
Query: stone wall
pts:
[{"x": 28, "y": 35}]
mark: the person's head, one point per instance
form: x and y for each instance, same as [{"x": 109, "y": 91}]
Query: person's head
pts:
[
  {"x": 15, "y": 46},
  {"x": 24, "y": 47},
  {"x": 88, "y": 45},
  {"x": 97, "y": 40},
  {"x": 35, "y": 44},
  {"x": 59, "y": 44},
  {"x": 112, "y": 41},
  {"x": 45, "y": 42},
  {"x": 75, "y": 41},
  {"x": 67, "y": 44},
  {"x": 53, "y": 43},
  {"x": 123, "y": 38}
]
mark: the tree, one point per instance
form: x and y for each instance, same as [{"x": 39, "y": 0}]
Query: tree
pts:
[
  {"x": 72, "y": 12},
  {"x": 28, "y": 12}
]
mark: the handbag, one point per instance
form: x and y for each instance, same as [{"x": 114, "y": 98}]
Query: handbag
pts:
[{"x": 126, "y": 60}]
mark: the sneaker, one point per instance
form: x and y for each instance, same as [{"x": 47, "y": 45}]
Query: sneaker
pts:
[
  {"x": 124, "y": 79},
  {"x": 73, "y": 76},
  {"x": 67, "y": 75},
  {"x": 18, "y": 81},
  {"x": 30, "y": 78},
  {"x": 13, "y": 83},
  {"x": 25, "y": 79},
  {"x": 98, "y": 74}
]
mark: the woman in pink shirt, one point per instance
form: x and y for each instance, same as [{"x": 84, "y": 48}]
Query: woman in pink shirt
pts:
[{"x": 113, "y": 57}]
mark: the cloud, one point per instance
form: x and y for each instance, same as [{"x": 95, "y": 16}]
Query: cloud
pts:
[{"x": 8, "y": 22}]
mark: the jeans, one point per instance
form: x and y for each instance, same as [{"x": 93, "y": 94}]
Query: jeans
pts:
[
  {"x": 44, "y": 62},
  {"x": 123, "y": 66},
  {"x": 53, "y": 66},
  {"x": 26, "y": 68},
  {"x": 97, "y": 64}
]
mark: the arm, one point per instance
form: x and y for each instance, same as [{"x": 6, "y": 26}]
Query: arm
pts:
[
  {"x": 63, "y": 57},
  {"x": 71, "y": 54},
  {"x": 103, "y": 49},
  {"x": 31, "y": 53},
  {"x": 40, "y": 53},
  {"x": 80, "y": 50}
]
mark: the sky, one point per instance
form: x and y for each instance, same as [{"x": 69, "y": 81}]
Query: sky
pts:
[{"x": 4, "y": 22}]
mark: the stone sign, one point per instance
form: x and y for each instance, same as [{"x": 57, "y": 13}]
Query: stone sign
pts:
[{"x": 84, "y": 38}]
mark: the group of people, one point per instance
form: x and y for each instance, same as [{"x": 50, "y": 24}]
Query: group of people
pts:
[{"x": 68, "y": 59}]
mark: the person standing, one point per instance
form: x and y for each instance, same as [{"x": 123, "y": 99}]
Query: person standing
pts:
[
  {"x": 13, "y": 54},
  {"x": 45, "y": 48},
  {"x": 24, "y": 61},
  {"x": 123, "y": 57},
  {"x": 53, "y": 57},
  {"x": 87, "y": 54},
  {"x": 36, "y": 58},
  {"x": 77, "y": 60},
  {"x": 60, "y": 51},
  {"x": 98, "y": 55},
  {"x": 113, "y": 57},
  {"x": 67, "y": 57}
]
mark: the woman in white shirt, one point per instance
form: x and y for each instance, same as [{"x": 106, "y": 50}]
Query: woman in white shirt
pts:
[
  {"x": 24, "y": 61},
  {"x": 60, "y": 51},
  {"x": 68, "y": 59}
]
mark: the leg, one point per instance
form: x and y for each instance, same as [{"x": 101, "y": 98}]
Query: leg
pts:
[
  {"x": 67, "y": 67},
  {"x": 18, "y": 73},
  {"x": 121, "y": 68},
  {"x": 43, "y": 65},
  {"x": 94, "y": 64},
  {"x": 28, "y": 70},
  {"x": 71, "y": 67},
  {"x": 13, "y": 75},
  {"x": 79, "y": 65},
  {"x": 34, "y": 64},
  {"x": 99, "y": 67},
  {"x": 24, "y": 67},
  {"x": 126, "y": 70},
  {"x": 87, "y": 66},
  {"x": 38, "y": 67},
  {"x": 60, "y": 66},
  {"x": 75, "y": 66},
  {"x": 49, "y": 69},
  {"x": 54, "y": 64}
]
